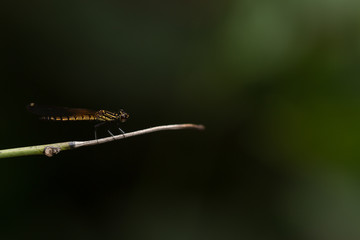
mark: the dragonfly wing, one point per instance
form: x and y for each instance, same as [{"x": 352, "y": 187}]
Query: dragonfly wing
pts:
[{"x": 44, "y": 110}]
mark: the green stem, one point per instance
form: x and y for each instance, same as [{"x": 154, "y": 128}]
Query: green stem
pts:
[{"x": 54, "y": 148}]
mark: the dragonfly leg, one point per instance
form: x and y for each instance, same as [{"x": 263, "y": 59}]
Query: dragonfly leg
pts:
[
  {"x": 123, "y": 133},
  {"x": 111, "y": 134},
  {"x": 96, "y": 126}
]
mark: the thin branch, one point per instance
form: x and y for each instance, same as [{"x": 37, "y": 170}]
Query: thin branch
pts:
[{"x": 54, "y": 148}]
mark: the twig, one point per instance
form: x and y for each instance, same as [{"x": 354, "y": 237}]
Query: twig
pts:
[{"x": 54, "y": 148}]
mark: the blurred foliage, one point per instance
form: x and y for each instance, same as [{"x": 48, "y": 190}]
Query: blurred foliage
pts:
[{"x": 275, "y": 82}]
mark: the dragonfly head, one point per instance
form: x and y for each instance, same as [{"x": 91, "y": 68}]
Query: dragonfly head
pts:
[{"x": 123, "y": 115}]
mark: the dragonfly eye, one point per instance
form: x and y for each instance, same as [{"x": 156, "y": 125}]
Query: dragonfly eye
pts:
[{"x": 123, "y": 115}]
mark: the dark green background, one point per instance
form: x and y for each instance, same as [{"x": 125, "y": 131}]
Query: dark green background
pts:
[{"x": 275, "y": 82}]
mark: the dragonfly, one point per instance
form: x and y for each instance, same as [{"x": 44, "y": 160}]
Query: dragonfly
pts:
[{"x": 52, "y": 113}]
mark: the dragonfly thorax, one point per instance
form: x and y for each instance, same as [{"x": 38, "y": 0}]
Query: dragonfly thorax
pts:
[{"x": 103, "y": 115}]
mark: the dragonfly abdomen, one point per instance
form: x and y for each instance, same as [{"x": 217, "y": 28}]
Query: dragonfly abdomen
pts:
[{"x": 69, "y": 118}]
